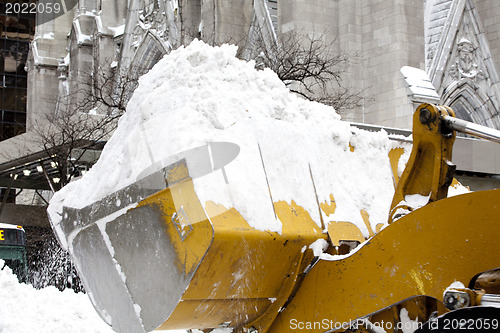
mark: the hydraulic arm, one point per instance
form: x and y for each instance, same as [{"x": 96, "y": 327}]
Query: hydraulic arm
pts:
[{"x": 429, "y": 170}]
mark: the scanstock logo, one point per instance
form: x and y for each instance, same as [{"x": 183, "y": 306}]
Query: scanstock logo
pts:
[{"x": 45, "y": 10}]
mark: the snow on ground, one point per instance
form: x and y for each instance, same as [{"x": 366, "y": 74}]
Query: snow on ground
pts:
[{"x": 24, "y": 309}]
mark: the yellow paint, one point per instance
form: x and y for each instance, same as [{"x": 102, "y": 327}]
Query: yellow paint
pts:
[
  {"x": 214, "y": 209},
  {"x": 347, "y": 231},
  {"x": 329, "y": 208},
  {"x": 418, "y": 276},
  {"x": 344, "y": 231},
  {"x": 296, "y": 220},
  {"x": 415, "y": 275},
  {"x": 366, "y": 218},
  {"x": 244, "y": 268},
  {"x": 394, "y": 156},
  {"x": 2, "y": 237},
  {"x": 177, "y": 172}
]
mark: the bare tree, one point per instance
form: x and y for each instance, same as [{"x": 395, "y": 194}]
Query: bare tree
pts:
[
  {"x": 66, "y": 136},
  {"x": 310, "y": 66},
  {"x": 82, "y": 123}
]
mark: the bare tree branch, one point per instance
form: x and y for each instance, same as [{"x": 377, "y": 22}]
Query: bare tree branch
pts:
[
  {"x": 67, "y": 134},
  {"x": 310, "y": 66}
]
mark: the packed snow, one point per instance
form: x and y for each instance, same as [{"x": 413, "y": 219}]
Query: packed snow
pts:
[
  {"x": 301, "y": 149},
  {"x": 25, "y": 309}
]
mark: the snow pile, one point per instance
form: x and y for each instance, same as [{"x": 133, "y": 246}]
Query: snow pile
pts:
[
  {"x": 457, "y": 189},
  {"x": 416, "y": 201},
  {"x": 201, "y": 94},
  {"x": 25, "y": 309}
]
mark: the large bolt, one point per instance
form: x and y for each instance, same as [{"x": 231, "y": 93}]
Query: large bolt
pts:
[{"x": 425, "y": 116}]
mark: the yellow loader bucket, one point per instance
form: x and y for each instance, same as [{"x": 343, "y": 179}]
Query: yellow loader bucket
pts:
[{"x": 160, "y": 259}]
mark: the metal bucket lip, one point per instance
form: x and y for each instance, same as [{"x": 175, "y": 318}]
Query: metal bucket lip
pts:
[
  {"x": 147, "y": 220},
  {"x": 122, "y": 273}
]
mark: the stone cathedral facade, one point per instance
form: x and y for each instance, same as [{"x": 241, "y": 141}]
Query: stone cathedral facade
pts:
[{"x": 408, "y": 52}]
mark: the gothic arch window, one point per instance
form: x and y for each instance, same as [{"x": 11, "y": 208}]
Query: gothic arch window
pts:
[
  {"x": 149, "y": 52},
  {"x": 463, "y": 109},
  {"x": 469, "y": 103}
]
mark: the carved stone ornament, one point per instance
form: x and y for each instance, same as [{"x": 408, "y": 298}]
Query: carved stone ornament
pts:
[
  {"x": 137, "y": 36},
  {"x": 466, "y": 64},
  {"x": 152, "y": 17},
  {"x": 62, "y": 69}
]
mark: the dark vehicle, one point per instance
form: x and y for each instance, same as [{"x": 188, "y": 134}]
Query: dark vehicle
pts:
[{"x": 13, "y": 249}]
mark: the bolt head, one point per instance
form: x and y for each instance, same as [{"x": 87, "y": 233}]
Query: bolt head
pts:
[{"x": 425, "y": 116}]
